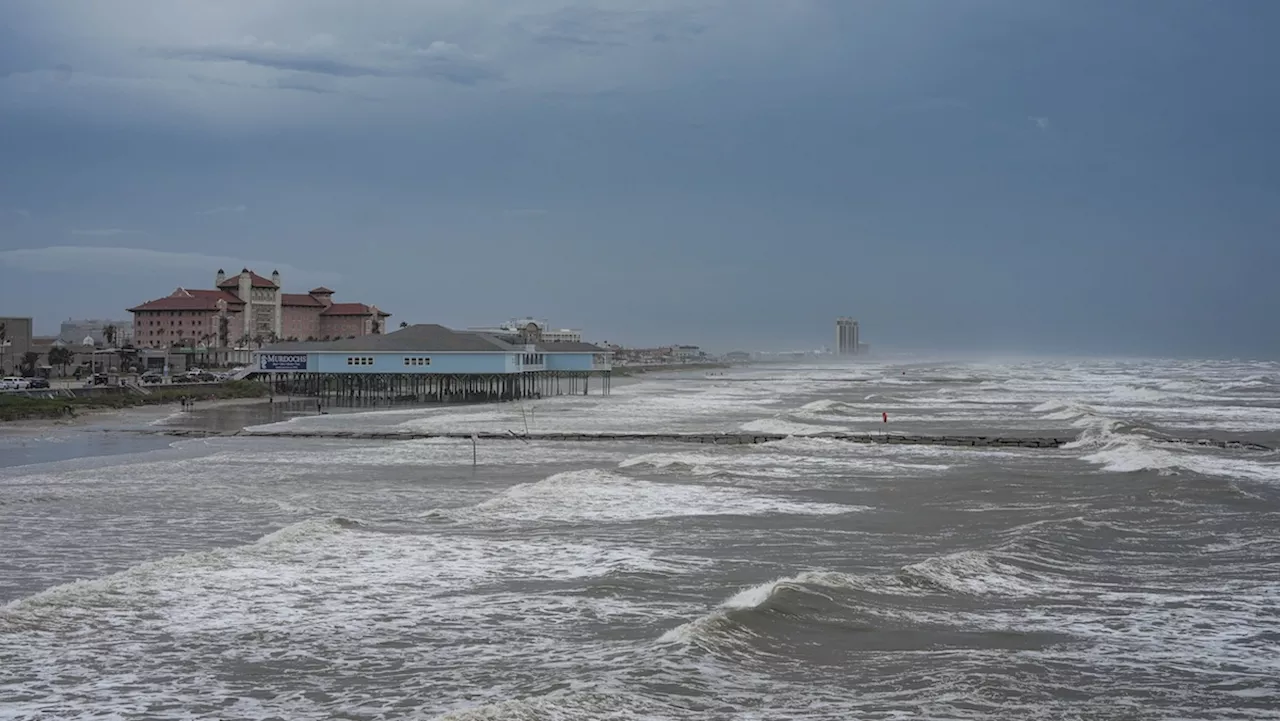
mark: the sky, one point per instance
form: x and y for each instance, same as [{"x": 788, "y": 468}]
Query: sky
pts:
[{"x": 1055, "y": 176}]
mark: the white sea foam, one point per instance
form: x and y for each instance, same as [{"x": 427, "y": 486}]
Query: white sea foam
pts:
[
  {"x": 827, "y": 405},
  {"x": 318, "y": 595},
  {"x": 777, "y": 426},
  {"x": 788, "y": 459},
  {"x": 1131, "y": 453},
  {"x": 573, "y": 706},
  {"x": 973, "y": 573},
  {"x": 978, "y": 573},
  {"x": 602, "y": 496}
]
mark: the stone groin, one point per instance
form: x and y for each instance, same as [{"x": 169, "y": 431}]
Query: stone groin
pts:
[{"x": 726, "y": 439}]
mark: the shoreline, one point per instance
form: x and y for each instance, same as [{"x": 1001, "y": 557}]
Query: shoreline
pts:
[
  {"x": 633, "y": 371},
  {"x": 91, "y": 416},
  {"x": 130, "y": 414}
]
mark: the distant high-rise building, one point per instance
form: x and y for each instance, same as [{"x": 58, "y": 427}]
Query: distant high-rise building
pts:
[{"x": 846, "y": 336}]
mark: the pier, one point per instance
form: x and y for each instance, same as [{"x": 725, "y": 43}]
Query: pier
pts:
[{"x": 718, "y": 439}]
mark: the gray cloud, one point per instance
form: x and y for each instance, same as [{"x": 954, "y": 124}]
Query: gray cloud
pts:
[
  {"x": 592, "y": 28},
  {"x": 103, "y": 232},
  {"x": 305, "y": 87},
  {"x": 267, "y": 57},
  {"x": 140, "y": 261},
  {"x": 294, "y": 83},
  {"x": 437, "y": 61},
  {"x": 223, "y": 209}
]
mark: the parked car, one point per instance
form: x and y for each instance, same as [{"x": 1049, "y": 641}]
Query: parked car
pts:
[
  {"x": 38, "y": 383},
  {"x": 14, "y": 383},
  {"x": 152, "y": 377}
]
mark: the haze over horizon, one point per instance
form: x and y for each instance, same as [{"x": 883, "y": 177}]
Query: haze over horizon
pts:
[{"x": 1079, "y": 177}]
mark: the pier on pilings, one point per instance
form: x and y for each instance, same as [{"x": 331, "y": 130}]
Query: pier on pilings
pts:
[{"x": 376, "y": 388}]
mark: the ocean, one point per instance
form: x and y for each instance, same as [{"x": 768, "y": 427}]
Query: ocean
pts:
[{"x": 143, "y": 577}]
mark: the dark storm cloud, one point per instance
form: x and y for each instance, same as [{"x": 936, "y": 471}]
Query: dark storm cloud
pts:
[{"x": 983, "y": 174}]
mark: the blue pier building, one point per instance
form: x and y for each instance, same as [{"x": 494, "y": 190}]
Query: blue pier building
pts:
[{"x": 433, "y": 363}]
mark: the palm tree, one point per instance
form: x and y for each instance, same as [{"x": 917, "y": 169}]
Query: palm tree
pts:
[
  {"x": 27, "y": 369},
  {"x": 62, "y": 357},
  {"x": 109, "y": 336},
  {"x": 404, "y": 324}
]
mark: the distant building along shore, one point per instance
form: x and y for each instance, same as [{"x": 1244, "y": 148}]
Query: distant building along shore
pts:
[
  {"x": 516, "y": 326},
  {"x": 248, "y": 308},
  {"x": 847, "y": 337}
]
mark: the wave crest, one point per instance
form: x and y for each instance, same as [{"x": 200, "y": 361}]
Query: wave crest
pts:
[
  {"x": 595, "y": 495},
  {"x": 852, "y": 599},
  {"x": 68, "y": 601}
]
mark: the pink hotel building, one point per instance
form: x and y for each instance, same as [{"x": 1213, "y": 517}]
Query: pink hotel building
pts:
[{"x": 245, "y": 308}]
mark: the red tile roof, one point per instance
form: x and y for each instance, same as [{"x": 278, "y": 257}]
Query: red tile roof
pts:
[
  {"x": 347, "y": 309},
  {"x": 183, "y": 299},
  {"x": 255, "y": 281},
  {"x": 300, "y": 299},
  {"x": 320, "y": 291}
]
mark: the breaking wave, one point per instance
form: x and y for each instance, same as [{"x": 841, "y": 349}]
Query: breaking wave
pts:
[
  {"x": 1126, "y": 447},
  {"x": 563, "y": 706},
  {"x": 68, "y": 601},
  {"x": 778, "y": 426},
  {"x": 833, "y": 407},
  {"x": 861, "y": 602},
  {"x": 596, "y": 495}
]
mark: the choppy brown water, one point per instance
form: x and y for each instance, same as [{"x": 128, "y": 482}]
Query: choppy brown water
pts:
[{"x": 808, "y": 579}]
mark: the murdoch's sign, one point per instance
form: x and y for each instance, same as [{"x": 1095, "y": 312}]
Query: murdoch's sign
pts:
[{"x": 283, "y": 361}]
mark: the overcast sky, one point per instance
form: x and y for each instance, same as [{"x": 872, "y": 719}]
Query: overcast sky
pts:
[{"x": 1069, "y": 176}]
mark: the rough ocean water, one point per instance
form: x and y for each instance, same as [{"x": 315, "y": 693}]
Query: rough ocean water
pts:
[{"x": 243, "y": 578}]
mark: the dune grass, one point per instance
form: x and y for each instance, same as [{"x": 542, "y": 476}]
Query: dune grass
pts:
[{"x": 17, "y": 407}]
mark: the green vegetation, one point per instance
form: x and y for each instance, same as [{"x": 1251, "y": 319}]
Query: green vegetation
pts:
[
  {"x": 27, "y": 368},
  {"x": 15, "y": 407},
  {"x": 61, "y": 357}
]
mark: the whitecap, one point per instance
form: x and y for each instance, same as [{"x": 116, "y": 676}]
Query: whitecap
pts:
[{"x": 604, "y": 496}]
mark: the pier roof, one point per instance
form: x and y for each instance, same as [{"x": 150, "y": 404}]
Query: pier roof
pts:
[
  {"x": 422, "y": 338},
  {"x": 431, "y": 337}
]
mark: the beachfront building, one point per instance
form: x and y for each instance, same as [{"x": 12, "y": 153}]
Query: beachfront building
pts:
[
  {"x": 529, "y": 327},
  {"x": 15, "y": 343},
  {"x": 687, "y": 353},
  {"x": 246, "y": 309},
  {"x": 432, "y": 362}
]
